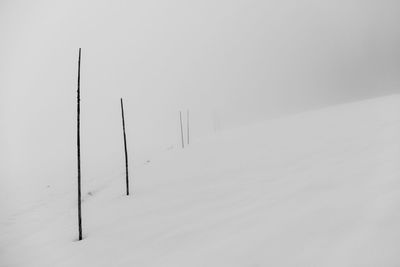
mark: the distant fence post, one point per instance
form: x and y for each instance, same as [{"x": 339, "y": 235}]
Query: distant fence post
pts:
[
  {"x": 180, "y": 117},
  {"x": 79, "y": 148},
  {"x": 187, "y": 123}
]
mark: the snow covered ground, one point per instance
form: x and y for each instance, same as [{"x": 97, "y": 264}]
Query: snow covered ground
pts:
[{"x": 320, "y": 188}]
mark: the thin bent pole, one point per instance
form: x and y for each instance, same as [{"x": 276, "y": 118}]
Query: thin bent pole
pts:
[{"x": 126, "y": 149}]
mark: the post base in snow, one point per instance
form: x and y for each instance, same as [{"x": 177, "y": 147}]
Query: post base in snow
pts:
[{"x": 78, "y": 240}]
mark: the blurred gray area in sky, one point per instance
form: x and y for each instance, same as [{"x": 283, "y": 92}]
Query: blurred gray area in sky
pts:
[{"x": 239, "y": 60}]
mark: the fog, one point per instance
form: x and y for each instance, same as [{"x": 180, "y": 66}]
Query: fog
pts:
[{"x": 235, "y": 62}]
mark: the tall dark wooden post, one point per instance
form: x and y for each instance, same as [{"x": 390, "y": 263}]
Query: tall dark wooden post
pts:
[
  {"x": 180, "y": 117},
  {"x": 187, "y": 124},
  {"x": 126, "y": 149},
  {"x": 79, "y": 147}
]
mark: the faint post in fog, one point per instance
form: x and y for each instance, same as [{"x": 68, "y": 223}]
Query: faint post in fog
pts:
[
  {"x": 215, "y": 121},
  {"x": 180, "y": 118},
  {"x": 126, "y": 149},
  {"x": 79, "y": 148},
  {"x": 187, "y": 124}
]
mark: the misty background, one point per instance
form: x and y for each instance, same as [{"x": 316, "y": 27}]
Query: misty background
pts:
[{"x": 235, "y": 62}]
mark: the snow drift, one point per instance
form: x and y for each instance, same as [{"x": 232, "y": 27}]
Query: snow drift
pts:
[{"x": 320, "y": 188}]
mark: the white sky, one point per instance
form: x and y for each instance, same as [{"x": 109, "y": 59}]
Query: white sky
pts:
[{"x": 242, "y": 60}]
